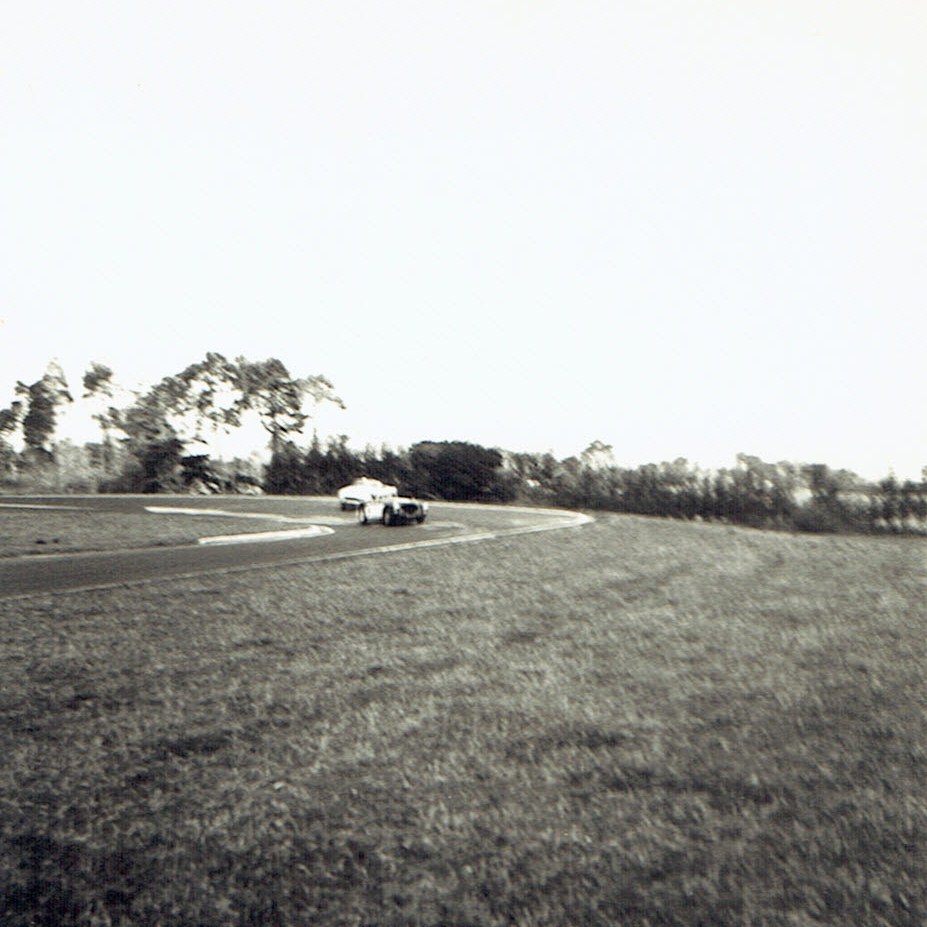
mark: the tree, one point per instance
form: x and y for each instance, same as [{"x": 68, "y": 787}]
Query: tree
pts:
[
  {"x": 267, "y": 388},
  {"x": 161, "y": 465},
  {"x": 152, "y": 445},
  {"x": 598, "y": 456},
  {"x": 98, "y": 378},
  {"x": 838, "y": 500},
  {"x": 287, "y": 473},
  {"x": 11, "y": 418},
  {"x": 98, "y": 383},
  {"x": 456, "y": 470},
  {"x": 210, "y": 394},
  {"x": 210, "y": 391},
  {"x": 387, "y": 465},
  {"x": 41, "y": 402}
]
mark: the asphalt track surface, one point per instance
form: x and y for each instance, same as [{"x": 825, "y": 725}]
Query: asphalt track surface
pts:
[{"x": 343, "y": 538}]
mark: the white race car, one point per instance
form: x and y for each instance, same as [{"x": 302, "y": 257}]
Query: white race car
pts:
[
  {"x": 364, "y": 489},
  {"x": 392, "y": 510}
]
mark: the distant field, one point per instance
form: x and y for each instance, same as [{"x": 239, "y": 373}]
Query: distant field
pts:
[
  {"x": 35, "y": 531},
  {"x": 638, "y": 722}
]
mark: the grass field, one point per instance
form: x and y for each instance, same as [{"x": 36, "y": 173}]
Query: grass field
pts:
[
  {"x": 638, "y": 722},
  {"x": 33, "y": 531}
]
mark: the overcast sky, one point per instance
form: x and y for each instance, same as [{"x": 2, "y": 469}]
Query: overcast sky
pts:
[{"x": 682, "y": 228}]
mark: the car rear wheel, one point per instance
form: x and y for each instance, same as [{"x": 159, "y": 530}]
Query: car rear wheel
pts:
[{"x": 388, "y": 516}]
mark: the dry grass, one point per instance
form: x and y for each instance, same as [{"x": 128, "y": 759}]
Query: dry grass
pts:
[
  {"x": 638, "y": 723},
  {"x": 29, "y": 531}
]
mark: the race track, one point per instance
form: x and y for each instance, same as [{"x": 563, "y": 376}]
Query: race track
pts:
[{"x": 332, "y": 535}]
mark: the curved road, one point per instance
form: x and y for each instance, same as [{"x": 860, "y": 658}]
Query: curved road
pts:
[{"x": 448, "y": 523}]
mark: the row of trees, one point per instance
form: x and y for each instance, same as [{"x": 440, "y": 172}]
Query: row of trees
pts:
[
  {"x": 148, "y": 441},
  {"x": 456, "y": 471},
  {"x": 772, "y": 495},
  {"x": 146, "y": 437},
  {"x": 754, "y": 492}
]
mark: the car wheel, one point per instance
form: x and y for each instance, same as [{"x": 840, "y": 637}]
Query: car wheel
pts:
[
  {"x": 420, "y": 518},
  {"x": 362, "y": 515},
  {"x": 388, "y": 517}
]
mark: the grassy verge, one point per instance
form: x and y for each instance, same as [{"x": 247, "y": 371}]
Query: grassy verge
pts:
[
  {"x": 31, "y": 531},
  {"x": 638, "y": 723}
]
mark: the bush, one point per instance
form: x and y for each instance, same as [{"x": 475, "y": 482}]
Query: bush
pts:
[
  {"x": 459, "y": 472},
  {"x": 816, "y": 518}
]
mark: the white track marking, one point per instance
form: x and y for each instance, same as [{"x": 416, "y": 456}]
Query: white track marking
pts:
[
  {"x": 290, "y": 534},
  {"x": 36, "y": 505},
  {"x": 268, "y": 516},
  {"x": 521, "y": 509},
  {"x": 558, "y": 519},
  {"x": 563, "y": 520},
  {"x": 308, "y": 529}
]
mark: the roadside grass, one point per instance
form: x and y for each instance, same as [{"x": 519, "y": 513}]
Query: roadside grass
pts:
[
  {"x": 32, "y": 531},
  {"x": 638, "y": 722}
]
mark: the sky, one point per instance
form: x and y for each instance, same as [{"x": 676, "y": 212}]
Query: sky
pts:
[{"x": 683, "y": 229}]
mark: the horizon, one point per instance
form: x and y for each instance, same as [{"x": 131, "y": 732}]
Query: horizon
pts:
[{"x": 682, "y": 232}]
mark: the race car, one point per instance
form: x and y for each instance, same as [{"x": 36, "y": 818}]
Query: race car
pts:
[
  {"x": 362, "y": 490},
  {"x": 392, "y": 510}
]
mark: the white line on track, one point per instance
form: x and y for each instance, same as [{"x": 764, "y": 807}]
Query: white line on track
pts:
[
  {"x": 307, "y": 529},
  {"x": 561, "y": 520},
  {"x": 36, "y": 505},
  {"x": 265, "y": 516},
  {"x": 290, "y": 534}
]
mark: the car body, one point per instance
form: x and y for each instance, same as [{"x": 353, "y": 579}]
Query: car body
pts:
[
  {"x": 364, "y": 489},
  {"x": 392, "y": 510}
]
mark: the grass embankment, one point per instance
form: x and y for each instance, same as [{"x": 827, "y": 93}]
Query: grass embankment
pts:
[
  {"x": 637, "y": 723},
  {"x": 32, "y": 531}
]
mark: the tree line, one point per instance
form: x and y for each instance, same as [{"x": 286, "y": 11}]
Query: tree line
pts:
[
  {"x": 147, "y": 442},
  {"x": 755, "y": 493},
  {"x": 146, "y": 436}
]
